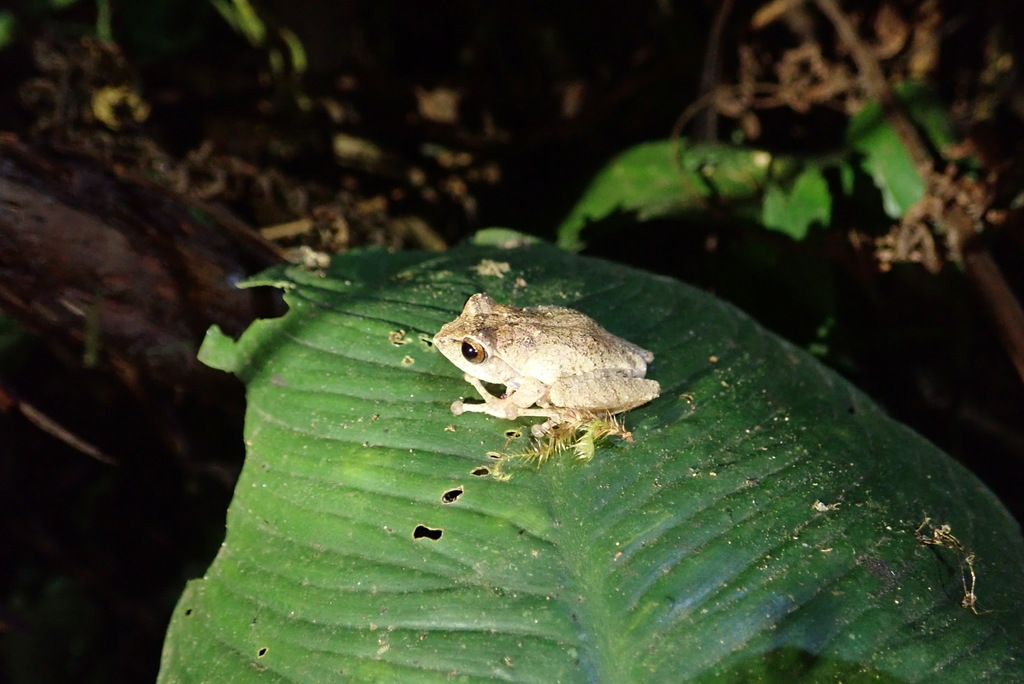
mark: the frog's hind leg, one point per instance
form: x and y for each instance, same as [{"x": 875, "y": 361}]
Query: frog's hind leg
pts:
[{"x": 611, "y": 391}]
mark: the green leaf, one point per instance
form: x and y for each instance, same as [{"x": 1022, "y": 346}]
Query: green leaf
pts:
[
  {"x": 365, "y": 545},
  {"x": 8, "y": 28},
  {"x": 671, "y": 178},
  {"x": 886, "y": 159},
  {"x": 793, "y": 210}
]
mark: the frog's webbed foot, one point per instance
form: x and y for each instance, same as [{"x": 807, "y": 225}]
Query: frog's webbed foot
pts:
[{"x": 499, "y": 408}]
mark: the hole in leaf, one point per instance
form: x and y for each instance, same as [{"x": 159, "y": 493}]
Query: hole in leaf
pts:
[
  {"x": 188, "y": 611},
  {"x": 480, "y": 472},
  {"x": 262, "y": 652},
  {"x": 452, "y": 495},
  {"x": 422, "y": 531}
]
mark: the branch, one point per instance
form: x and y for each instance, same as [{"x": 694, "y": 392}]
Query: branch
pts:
[{"x": 960, "y": 227}]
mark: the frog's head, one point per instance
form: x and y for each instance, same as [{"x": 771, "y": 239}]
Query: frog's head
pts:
[{"x": 471, "y": 341}]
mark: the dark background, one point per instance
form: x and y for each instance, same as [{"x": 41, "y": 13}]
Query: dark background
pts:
[{"x": 96, "y": 543}]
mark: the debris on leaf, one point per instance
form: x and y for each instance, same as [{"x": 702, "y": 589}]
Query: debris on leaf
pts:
[{"x": 580, "y": 437}]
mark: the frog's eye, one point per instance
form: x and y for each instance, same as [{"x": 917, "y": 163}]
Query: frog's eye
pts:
[{"x": 473, "y": 351}]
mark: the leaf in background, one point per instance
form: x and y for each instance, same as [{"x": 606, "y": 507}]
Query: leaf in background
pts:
[
  {"x": 760, "y": 528},
  {"x": 13, "y": 340},
  {"x": 793, "y": 210},
  {"x": 648, "y": 181},
  {"x": 885, "y": 158},
  {"x": 8, "y": 28}
]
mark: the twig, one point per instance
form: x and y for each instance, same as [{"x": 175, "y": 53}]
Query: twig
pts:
[
  {"x": 998, "y": 298},
  {"x": 52, "y": 427},
  {"x": 707, "y": 128},
  {"x": 771, "y": 12}
]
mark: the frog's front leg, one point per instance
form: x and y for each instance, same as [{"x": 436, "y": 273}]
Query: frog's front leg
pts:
[
  {"x": 492, "y": 406},
  {"x": 516, "y": 404}
]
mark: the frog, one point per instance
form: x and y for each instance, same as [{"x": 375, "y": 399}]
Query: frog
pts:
[{"x": 554, "y": 362}]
